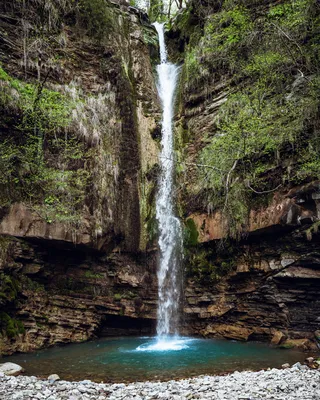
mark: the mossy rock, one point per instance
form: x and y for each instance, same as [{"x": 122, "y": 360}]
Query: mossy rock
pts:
[
  {"x": 117, "y": 297},
  {"x": 299, "y": 344},
  {"x": 8, "y": 288},
  {"x": 191, "y": 233},
  {"x": 9, "y": 326}
]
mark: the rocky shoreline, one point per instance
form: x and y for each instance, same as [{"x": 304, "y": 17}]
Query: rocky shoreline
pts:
[{"x": 296, "y": 383}]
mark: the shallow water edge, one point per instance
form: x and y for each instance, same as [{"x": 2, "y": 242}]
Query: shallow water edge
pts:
[{"x": 131, "y": 359}]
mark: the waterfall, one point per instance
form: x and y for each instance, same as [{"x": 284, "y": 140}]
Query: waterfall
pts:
[{"x": 170, "y": 235}]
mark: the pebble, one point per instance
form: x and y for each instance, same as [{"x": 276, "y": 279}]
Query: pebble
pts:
[{"x": 293, "y": 383}]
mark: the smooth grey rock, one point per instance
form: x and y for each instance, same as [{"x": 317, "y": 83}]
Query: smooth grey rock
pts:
[{"x": 10, "y": 368}]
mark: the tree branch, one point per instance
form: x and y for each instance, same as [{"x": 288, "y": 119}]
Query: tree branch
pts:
[
  {"x": 265, "y": 191},
  {"x": 227, "y": 182},
  {"x": 197, "y": 165},
  {"x": 287, "y": 36}
]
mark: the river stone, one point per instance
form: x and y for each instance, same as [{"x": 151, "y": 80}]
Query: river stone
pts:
[
  {"x": 53, "y": 377},
  {"x": 10, "y": 368},
  {"x": 297, "y": 365}
]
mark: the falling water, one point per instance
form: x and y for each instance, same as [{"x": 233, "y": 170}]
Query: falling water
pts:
[{"x": 170, "y": 240}]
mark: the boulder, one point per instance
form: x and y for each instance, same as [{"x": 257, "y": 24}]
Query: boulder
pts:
[
  {"x": 278, "y": 337},
  {"x": 10, "y": 368},
  {"x": 300, "y": 344},
  {"x": 53, "y": 377}
]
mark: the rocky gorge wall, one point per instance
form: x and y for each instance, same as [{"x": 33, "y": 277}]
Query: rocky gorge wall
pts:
[
  {"x": 77, "y": 85},
  {"x": 58, "y": 294},
  {"x": 78, "y": 158},
  {"x": 251, "y": 229},
  {"x": 247, "y": 124}
]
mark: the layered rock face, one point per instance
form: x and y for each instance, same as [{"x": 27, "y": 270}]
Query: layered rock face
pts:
[
  {"x": 250, "y": 204},
  {"x": 101, "y": 69},
  {"x": 63, "y": 294},
  {"x": 86, "y": 86},
  {"x": 269, "y": 291},
  {"x": 249, "y": 190}
]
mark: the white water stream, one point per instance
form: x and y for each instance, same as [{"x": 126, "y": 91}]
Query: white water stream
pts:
[{"x": 170, "y": 240}]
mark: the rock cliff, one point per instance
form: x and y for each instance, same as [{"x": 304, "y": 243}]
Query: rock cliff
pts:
[
  {"x": 247, "y": 123},
  {"x": 79, "y": 146},
  {"x": 82, "y": 97},
  {"x": 79, "y": 156}
]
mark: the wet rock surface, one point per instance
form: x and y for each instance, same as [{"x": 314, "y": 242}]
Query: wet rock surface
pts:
[{"x": 297, "y": 382}]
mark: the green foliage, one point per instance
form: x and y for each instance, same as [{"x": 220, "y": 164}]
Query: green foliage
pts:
[
  {"x": 292, "y": 15},
  {"x": 92, "y": 275},
  {"x": 205, "y": 267},
  {"x": 252, "y": 126},
  {"x": 117, "y": 297},
  {"x": 150, "y": 37},
  {"x": 155, "y": 11},
  {"x": 313, "y": 230},
  {"x": 262, "y": 64},
  {"x": 227, "y": 29},
  {"x": 42, "y": 109},
  {"x": 4, "y": 246},
  {"x": 8, "y": 288},
  {"x": 191, "y": 233},
  {"x": 152, "y": 228},
  {"x": 269, "y": 121},
  {"x": 9, "y": 326},
  {"x": 97, "y": 17},
  {"x": 42, "y": 164},
  {"x": 225, "y": 35}
]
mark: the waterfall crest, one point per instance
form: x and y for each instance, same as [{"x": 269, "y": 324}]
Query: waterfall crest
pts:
[{"x": 170, "y": 233}]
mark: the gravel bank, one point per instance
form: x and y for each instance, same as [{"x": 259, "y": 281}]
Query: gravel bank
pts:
[{"x": 295, "y": 383}]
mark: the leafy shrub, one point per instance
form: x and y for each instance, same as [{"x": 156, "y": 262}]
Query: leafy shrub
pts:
[
  {"x": 266, "y": 134},
  {"x": 9, "y": 326},
  {"x": 42, "y": 164}
]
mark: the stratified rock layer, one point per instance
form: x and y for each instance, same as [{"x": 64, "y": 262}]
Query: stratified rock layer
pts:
[
  {"x": 70, "y": 295},
  {"x": 61, "y": 284},
  {"x": 270, "y": 291}
]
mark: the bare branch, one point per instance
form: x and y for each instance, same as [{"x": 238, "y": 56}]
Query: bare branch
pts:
[
  {"x": 197, "y": 165},
  {"x": 287, "y": 36},
  {"x": 227, "y": 182},
  {"x": 265, "y": 191}
]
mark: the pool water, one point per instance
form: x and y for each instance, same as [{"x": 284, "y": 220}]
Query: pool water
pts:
[{"x": 126, "y": 359}]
